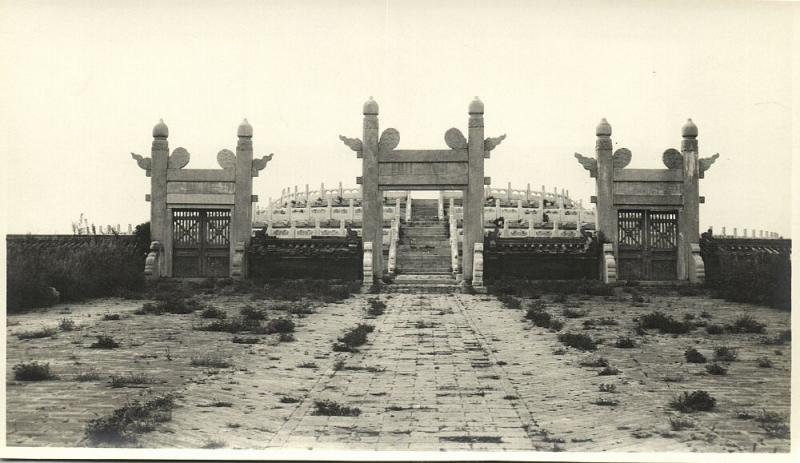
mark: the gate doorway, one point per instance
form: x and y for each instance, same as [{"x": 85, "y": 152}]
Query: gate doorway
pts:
[
  {"x": 647, "y": 244},
  {"x": 201, "y": 243}
]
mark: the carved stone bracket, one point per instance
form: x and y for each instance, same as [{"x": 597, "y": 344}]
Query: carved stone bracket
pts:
[
  {"x": 609, "y": 264},
  {"x": 672, "y": 158},
  {"x": 354, "y": 144},
  {"x": 705, "y": 164},
  {"x": 226, "y": 159},
  {"x": 477, "y": 266},
  {"x": 143, "y": 162},
  {"x": 588, "y": 163},
  {"x": 260, "y": 164},
  {"x": 621, "y": 158},
  {"x": 151, "y": 271},
  {"x": 697, "y": 268},
  {"x": 178, "y": 159},
  {"x": 367, "y": 264},
  {"x": 237, "y": 264}
]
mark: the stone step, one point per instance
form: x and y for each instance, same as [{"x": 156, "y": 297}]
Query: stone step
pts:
[{"x": 417, "y": 289}]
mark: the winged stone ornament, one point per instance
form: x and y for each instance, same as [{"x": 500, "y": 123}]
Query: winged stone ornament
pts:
[
  {"x": 143, "y": 162},
  {"x": 621, "y": 158},
  {"x": 705, "y": 163},
  {"x": 492, "y": 142},
  {"x": 260, "y": 164},
  {"x": 673, "y": 159},
  {"x": 588, "y": 163},
  {"x": 352, "y": 143}
]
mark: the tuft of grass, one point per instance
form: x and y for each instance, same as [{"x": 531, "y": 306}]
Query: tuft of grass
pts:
[
  {"x": 764, "y": 362},
  {"x": 693, "y": 401},
  {"x": 560, "y": 298},
  {"x": 280, "y": 325},
  {"x": 725, "y": 354},
  {"x": 714, "y": 329},
  {"x": 665, "y": 324},
  {"x": 716, "y": 369},
  {"x": 573, "y": 313},
  {"x": 286, "y": 337},
  {"x": 353, "y": 338},
  {"x": 578, "y": 341},
  {"x": 609, "y": 371},
  {"x": 606, "y": 402},
  {"x": 607, "y": 387},
  {"x": 249, "y": 312},
  {"x": 169, "y": 304},
  {"x": 122, "y": 426},
  {"x": 213, "y": 312},
  {"x": 33, "y": 371},
  {"x": 288, "y": 400},
  {"x": 66, "y": 324},
  {"x": 214, "y": 444},
  {"x": 510, "y": 302},
  {"x": 210, "y": 361},
  {"x": 112, "y": 317},
  {"x": 243, "y": 340},
  {"x": 331, "y": 408},
  {"x": 91, "y": 375},
  {"x": 376, "y": 307},
  {"x": 104, "y": 342},
  {"x": 131, "y": 378},
  {"x": 594, "y": 362},
  {"x": 625, "y": 343},
  {"x": 692, "y": 355},
  {"x": 311, "y": 365},
  {"x": 774, "y": 424},
  {"x": 37, "y": 334},
  {"x": 782, "y": 338},
  {"x": 746, "y": 324},
  {"x": 678, "y": 423}
]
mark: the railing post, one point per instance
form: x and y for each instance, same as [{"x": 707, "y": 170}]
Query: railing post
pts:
[
  {"x": 697, "y": 268},
  {"x": 440, "y": 206},
  {"x": 408, "y": 209},
  {"x": 151, "y": 263},
  {"x": 367, "y": 265},
  {"x": 609, "y": 264},
  {"x": 477, "y": 266}
]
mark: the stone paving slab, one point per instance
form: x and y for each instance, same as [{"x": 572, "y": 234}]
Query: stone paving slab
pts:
[{"x": 439, "y": 372}]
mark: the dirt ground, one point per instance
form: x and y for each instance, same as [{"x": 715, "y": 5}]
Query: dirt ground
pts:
[{"x": 439, "y": 372}]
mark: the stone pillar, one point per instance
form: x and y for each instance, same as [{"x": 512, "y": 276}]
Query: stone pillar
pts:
[
  {"x": 242, "y": 208},
  {"x": 606, "y": 222},
  {"x": 372, "y": 203},
  {"x": 689, "y": 231},
  {"x": 473, "y": 198},
  {"x": 158, "y": 191}
]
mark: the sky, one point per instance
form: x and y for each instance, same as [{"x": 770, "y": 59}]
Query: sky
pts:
[{"x": 83, "y": 83}]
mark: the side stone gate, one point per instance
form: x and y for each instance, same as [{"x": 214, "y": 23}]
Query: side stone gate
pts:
[
  {"x": 200, "y": 219},
  {"x": 649, "y": 218}
]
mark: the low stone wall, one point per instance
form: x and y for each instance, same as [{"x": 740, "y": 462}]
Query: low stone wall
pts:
[
  {"x": 542, "y": 259},
  {"x": 305, "y": 258}
]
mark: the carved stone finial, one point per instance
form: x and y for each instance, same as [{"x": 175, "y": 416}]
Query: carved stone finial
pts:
[
  {"x": 603, "y": 128},
  {"x": 160, "y": 130},
  {"x": 476, "y": 106},
  {"x": 371, "y": 107},
  {"x": 689, "y": 130},
  {"x": 245, "y": 129}
]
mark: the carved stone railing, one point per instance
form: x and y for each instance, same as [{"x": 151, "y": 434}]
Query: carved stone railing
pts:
[
  {"x": 454, "y": 265},
  {"x": 395, "y": 237},
  {"x": 367, "y": 264},
  {"x": 408, "y": 209},
  {"x": 152, "y": 262},
  {"x": 477, "y": 266},
  {"x": 609, "y": 264},
  {"x": 697, "y": 268},
  {"x": 239, "y": 261}
]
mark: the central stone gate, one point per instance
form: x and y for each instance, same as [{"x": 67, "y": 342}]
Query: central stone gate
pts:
[{"x": 386, "y": 168}]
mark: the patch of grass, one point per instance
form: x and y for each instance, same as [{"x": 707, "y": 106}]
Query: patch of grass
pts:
[
  {"x": 783, "y": 337},
  {"x": 606, "y": 402},
  {"x": 91, "y": 375},
  {"x": 33, "y": 371},
  {"x": 311, "y": 365},
  {"x": 625, "y": 343},
  {"x": 66, "y": 324},
  {"x": 331, "y": 408},
  {"x": 666, "y": 324},
  {"x": 714, "y": 329},
  {"x": 764, "y": 362},
  {"x": 692, "y": 355},
  {"x": 716, "y": 369},
  {"x": 131, "y": 378},
  {"x": 578, "y": 341},
  {"x": 560, "y": 298},
  {"x": 104, "y": 342},
  {"x": 213, "y": 312},
  {"x": 213, "y": 444},
  {"x": 210, "y": 361},
  {"x": 774, "y": 424},
  {"x": 594, "y": 362},
  {"x": 249, "y": 312},
  {"x": 325, "y": 290},
  {"x": 288, "y": 400},
  {"x": 286, "y": 337},
  {"x": 609, "y": 371},
  {"x": 693, "y": 401},
  {"x": 280, "y": 325},
  {"x": 243, "y": 340},
  {"x": 37, "y": 334},
  {"x": 573, "y": 313},
  {"x": 170, "y": 304},
  {"x": 472, "y": 439},
  {"x": 353, "y": 338},
  {"x": 607, "y": 387},
  {"x": 746, "y": 324},
  {"x": 510, "y": 302},
  {"x": 121, "y": 427},
  {"x": 112, "y": 317},
  {"x": 725, "y": 354},
  {"x": 376, "y": 307},
  {"x": 542, "y": 319}
]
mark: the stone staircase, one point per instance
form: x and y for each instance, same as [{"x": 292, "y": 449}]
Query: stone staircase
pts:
[{"x": 423, "y": 252}]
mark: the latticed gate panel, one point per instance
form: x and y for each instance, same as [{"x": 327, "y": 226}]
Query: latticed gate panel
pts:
[
  {"x": 201, "y": 243},
  {"x": 631, "y": 227},
  {"x": 647, "y": 244},
  {"x": 663, "y": 229}
]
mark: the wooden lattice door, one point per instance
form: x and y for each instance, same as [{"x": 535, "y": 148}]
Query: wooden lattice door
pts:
[
  {"x": 201, "y": 243},
  {"x": 647, "y": 245}
]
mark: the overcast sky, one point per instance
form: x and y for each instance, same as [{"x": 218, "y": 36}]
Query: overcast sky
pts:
[{"x": 84, "y": 82}]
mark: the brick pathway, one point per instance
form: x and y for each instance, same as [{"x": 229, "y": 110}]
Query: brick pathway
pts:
[{"x": 440, "y": 371}]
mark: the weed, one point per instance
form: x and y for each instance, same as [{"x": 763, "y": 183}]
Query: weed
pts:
[
  {"x": 353, "y": 338},
  {"x": 213, "y": 312},
  {"x": 308, "y": 365},
  {"x": 286, "y": 337},
  {"x": 104, "y": 342},
  {"x": 376, "y": 307},
  {"x": 714, "y": 329},
  {"x": 242, "y": 340},
  {"x": 607, "y": 387},
  {"x": 693, "y": 401},
  {"x": 510, "y": 397},
  {"x": 725, "y": 354},
  {"x": 41, "y": 333},
  {"x": 33, "y": 371},
  {"x": 606, "y": 402},
  {"x": 112, "y": 317},
  {"x": 609, "y": 371},
  {"x": 91, "y": 375},
  {"x": 764, "y": 362},
  {"x": 560, "y": 351},
  {"x": 66, "y": 324},
  {"x": 782, "y": 338},
  {"x": 625, "y": 343},
  {"x": 288, "y": 400},
  {"x": 578, "y": 341},
  {"x": 560, "y": 298},
  {"x": 131, "y": 378},
  {"x": 594, "y": 362},
  {"x": 213, "y": 444},
  {"x": 746, "y": 324},
  {"x": 331, "y": 408},
  {"x": 573, "y": 313},
  {"x": 169, "y": 304},
  {"x": 326, "y": 290},
  {"x": 253, "y": 314},
  {"x": 235, "y": 325},
  {"x": 510, "y": 302},
  {"x": 210, "y": 361},
  {"x": 705, "y": 314},
  {"x": 716, "y": 369},
  {"x": 121, "y": 427},
  {"x": 744, "y": 415},
  {"x": 692, "y": 355},
  {"x": 774, "y": 424},
  {"x": 664, "y": 323},
  {"x": 280, "y": 325},
  {"x": 606, "y": 321}
]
